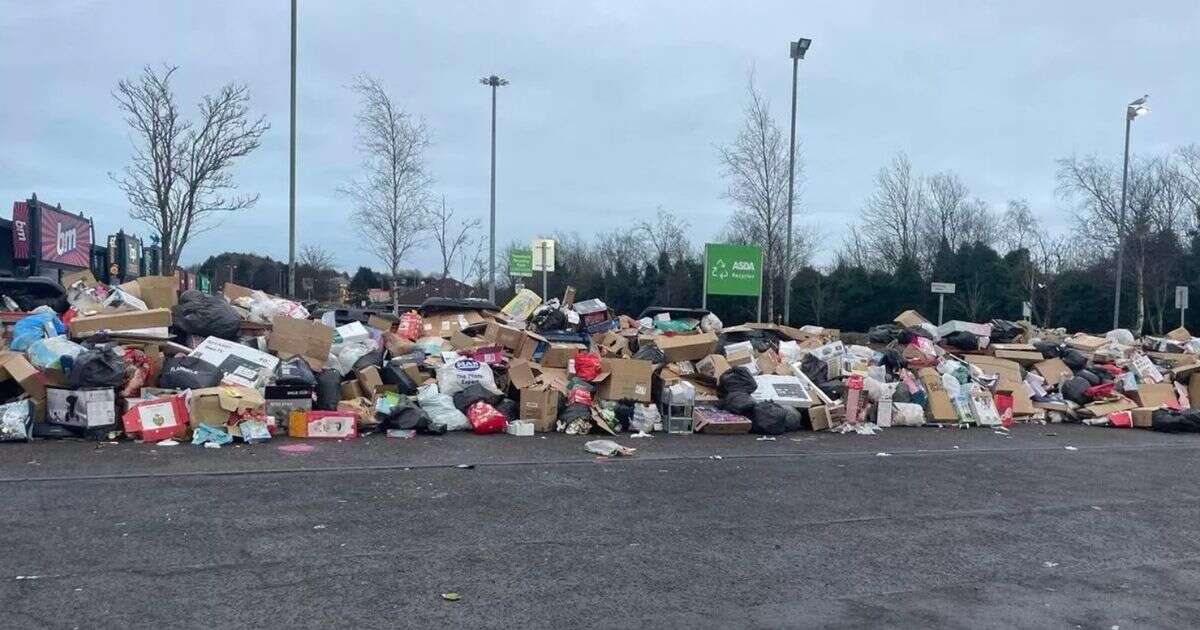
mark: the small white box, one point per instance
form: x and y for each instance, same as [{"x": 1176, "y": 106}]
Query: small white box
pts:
[{"x": 519, "y": 428}]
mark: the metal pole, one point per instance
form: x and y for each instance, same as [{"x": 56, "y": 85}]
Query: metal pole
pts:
[
  {"x": 545, "y": 290},
  {"x": 292, "y": 172},
  {"x": 787, "y": 283},
  {"x": 492, "y": 229},
  {"x": 941, "y": 306},
  {"x": 704, "y": 296},
  {"x": 1121, "y": 230}
]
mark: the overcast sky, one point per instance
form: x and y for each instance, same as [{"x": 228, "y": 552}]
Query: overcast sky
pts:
[{"x": 614, "y": 107}]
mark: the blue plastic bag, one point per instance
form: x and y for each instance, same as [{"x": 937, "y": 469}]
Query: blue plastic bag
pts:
[
  {"x": 204, "y": 433},
  {"x": 34, "y": 327}
]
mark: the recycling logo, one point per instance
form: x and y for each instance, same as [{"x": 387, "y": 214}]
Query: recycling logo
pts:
[{"x": 720, "y": 270}]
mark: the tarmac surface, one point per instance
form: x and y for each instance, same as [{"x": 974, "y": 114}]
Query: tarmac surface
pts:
[{"x": 1054, "y": 526}]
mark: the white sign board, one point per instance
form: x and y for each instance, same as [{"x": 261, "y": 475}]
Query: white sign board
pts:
[
  {"x": 543, "y": 254},
  {"x": 941, "y": 287},
  {"x": 1181, "y": 296},
  {"x": 1026, "y": 310}
]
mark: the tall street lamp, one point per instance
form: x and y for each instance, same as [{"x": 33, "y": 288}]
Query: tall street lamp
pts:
[
  {"x": 291, "y": 272},
  {"x": 494, "y": 82},
  {"x": 1134, "y": 110},
  {"x": 798, "y": 48}
]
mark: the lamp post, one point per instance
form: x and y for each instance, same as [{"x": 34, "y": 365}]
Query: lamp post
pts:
[
  {"x": 1134, "y": 110},
  {"x": 493, "y": 82},
  {"x": 798, "y": 48},
  {"x": 291, "y": 270}
]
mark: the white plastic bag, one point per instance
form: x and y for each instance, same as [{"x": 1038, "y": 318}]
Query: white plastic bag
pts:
[
  {"x": 441, "y": 409},
  {"x": 645, "y": 418},
  {"x": 789, "y": 352},
  {"x": 712, "y": 323},
  {"x": 907, "y": 415},
  {"x": 607, "y": 448},
  {"x": 456, "y": 376}
]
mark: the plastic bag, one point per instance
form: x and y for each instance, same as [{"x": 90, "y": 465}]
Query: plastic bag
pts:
[
  {"x": 607, "y": 448},
  {"x": 393, "y": 374},
  {"x": 711, "y": 323},
  {"x": 473, "y": 393},
  {"x": 187, "y": 372},
  {"x": 263, "y": 308},
  {"x": 206, "y": 315},
  {"x": 405, "y": 415},
  {"x": 98, "y": 367},
  {"x": 138, "y": 371},
  {"x": 328, "y": 390},
  {"x": 203, "y": 433},
  {"x": 1170, "y": 421},
  {"x": 16, "y": 421},
  {"x": 587, "y": 365},
  {"x": 907, "y": 415},
  {"x": 349, "y": 354},
  {"x": 549, "y": 318},
  {"x": 441, "y": 409},
  {"x": 37, "y": 326},
  {"x": 645, "y": 418},
  {"x": 53, "y": 353},
  {"x": 294, "y": 372},
  {"x": 736, "y": 380},
  {"x": 486, "y": 419},
  {"x": 456, "y": 376},
  {"x": 769, "y": 418}
]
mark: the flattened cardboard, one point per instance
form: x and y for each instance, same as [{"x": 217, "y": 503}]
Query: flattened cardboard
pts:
[
  {"x": 1085, "y": 343},
  {"x": 1008, "y": 371},
  {"x": 380, "y": 322},
  {"x": 625, "y": 379},
  {"x": 233, "y": 291},
  {"x": 1024, "y": 357},
  {"x": 1180, "y": 334},
  {"x": 1053, "y": 370},
  {"x": 1155, "y": 395},
  {"x": 132, "y": 320},
  {"x": 938, "y": 407},
  {"x": 1103, "y": 408},
  {"x": 158, "y": 291},
  {"x": 910, "y": 318},
  {"x": 686, "y": 347},
  {"x": 307, "y": 338}
]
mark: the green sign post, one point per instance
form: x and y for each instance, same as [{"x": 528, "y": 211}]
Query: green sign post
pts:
[
  {"x": 520, "y": 263},
  {"x": 732, "y": 270}
]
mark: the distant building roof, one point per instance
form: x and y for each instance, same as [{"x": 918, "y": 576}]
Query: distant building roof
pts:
[{"x": 440, "y": 287}]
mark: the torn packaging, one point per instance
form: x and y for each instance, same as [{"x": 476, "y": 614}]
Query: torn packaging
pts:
[
  {"x": 938, "y": 407},
  {"x": 1155, "y": 395},
  {"x": 305, "y": 338},
  {"x": 224, "y": 406},
  {"x": 1053, "y": 370}
]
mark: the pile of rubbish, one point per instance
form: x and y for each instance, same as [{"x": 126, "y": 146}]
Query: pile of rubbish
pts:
[{"x": 142, "y": 361}]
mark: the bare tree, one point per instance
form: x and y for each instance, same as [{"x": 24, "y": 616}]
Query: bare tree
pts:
[
  {"x": 452, "y": 236},
  {"x": 756, "y": 170},
  {"x": 1021, "y": 229},
  {"x": 855, "y": 252},
  {"x": 1054, "y": 256},
  {"x": 316, "y": 256},
  {"x": 1096, "y": 186},
  {"x": 1188, "y": 167},
  {"x": 619, "y": 246},
  {"x": 666, "y": 235},
  {"x": 892, "y": 216},
  {"x": 392, "y": 196},
  {"x": 180, "y": 176}
]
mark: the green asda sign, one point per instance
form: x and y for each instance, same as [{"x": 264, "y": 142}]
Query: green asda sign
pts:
[
  {"x": 520, "y": 263},
  {"x": 733, "y": 269}
]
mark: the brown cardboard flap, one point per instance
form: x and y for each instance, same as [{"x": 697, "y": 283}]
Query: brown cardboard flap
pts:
[
  {"x": 307, "y": 338},
  {"x": 233, "y": 291},
  {"x": 159, "y": 291},
  {"x": 686, "y": 347},
  {"x": 1053, "y": 370},
  {"x": 130, "y": 320}
]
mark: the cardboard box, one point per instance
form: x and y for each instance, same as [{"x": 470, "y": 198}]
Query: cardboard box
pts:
[
  {"x": 32, "y": 381},
  {"x": 1155, "y": 395},
  {"x": 351, "y": 390},
  {"x": 157, "y": 419},
  {"x": 89, "y": 280},
  {"x": 625, "y": 379},
  {"x": 910, "y": 318},
  {"x": 217, "y": 406},
  {"x": 158, "y": 291},
  {"x": 713, "y": 366},
  {"x": 82, "y": 408},
  {"x": 539, "y": 405},
  {"x": 307, "y": 338},
  {"x": 1085, "y": 343},
  {"x": 1142, "y": 417},
  {"x": 323, "y": 424},
  {"x": 280, "y": 402},
  {"x": 686, "y": 347},
  {"x": 938, "y": 407},
  {"x": 369, "y": 380},
  {"x": 1180, "y": 334},
  {"x": 241, "y": 365},
  {"x": 716, "y": 421},
  {"x": 1193, "y": 390},
  {"x": 445, "y": 324},
  {"x": 381, "y": 322},
  {"x": 1106, "y": 407},
  {"x": 613, "y": 344},
  {"x": 233, "y": 291},
  {"x": 559, "y": 355},
  {"x": 1024, "y": 357},
  {"x": 1054, "y": 371},
  {"x": 128, "y": 321},
  {"x": 504, "y": 336}
]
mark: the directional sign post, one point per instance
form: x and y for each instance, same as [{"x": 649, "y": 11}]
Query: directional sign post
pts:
[
  {"x": 543, "y": 261},
  {"x": 941, "y": 288},
  {"x": 1181, "y": 302},
  {"x": 733, "y": 270}
]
